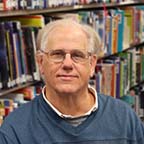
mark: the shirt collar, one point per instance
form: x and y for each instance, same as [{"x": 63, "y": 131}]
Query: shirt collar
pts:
[{"x": 94, "y": 107}]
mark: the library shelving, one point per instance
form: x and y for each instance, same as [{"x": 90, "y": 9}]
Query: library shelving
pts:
[
  {"x": 73, "y": 8},
  {"x": 10, "y": 90},
  {"x": 66, "y": 9}
]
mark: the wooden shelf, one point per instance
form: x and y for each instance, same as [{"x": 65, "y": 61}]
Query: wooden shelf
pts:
[
  {"x": 134, "y": 46},
  {"x": 139, "y": 85},
  {"x": 90, "y": 7},
  {"x": 10, "y": 90}
]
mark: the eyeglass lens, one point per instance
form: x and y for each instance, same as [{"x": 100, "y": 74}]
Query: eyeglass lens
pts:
[{"x": 76, "y": 55}]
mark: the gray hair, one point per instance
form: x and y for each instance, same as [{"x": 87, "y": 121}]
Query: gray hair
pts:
[{"x": 94, "y": 47}]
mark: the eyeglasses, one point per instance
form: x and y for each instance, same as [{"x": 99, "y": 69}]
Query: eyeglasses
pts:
[{"x": 78, "y": 56}]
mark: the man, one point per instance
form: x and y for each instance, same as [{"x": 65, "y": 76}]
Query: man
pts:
[{"x": 69, "y": 111}]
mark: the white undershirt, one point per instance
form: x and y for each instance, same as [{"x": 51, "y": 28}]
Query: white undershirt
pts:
[{"x": 94, "y": 107}]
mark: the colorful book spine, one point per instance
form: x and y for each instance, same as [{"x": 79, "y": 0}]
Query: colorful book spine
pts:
[
  {"x": 109, "y": 34},
  {"x": 120, "y": 14},
  {"x": 9, "y": 56},
  {"x": 17, "y": 54},
  {"x": 11, "y": 53},
  {"x": 20, "y": 51},
  {"x": 115, "y": 20},
  {"x": 142, "y": 64}
]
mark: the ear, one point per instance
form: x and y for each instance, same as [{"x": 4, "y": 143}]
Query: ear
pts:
[
  {"x": 93, "y": 62},
  {"x": 39, "y": 60}
]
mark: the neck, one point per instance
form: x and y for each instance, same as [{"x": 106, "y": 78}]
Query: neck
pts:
[{"x": 72, "y": 104}]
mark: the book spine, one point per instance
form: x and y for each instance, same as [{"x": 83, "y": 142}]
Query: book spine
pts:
[
  {"x": 10, "y": 64},
  {"x": 20, "y": 52},
  {"x": 120, "y": 14},
  {"x": 109, "y": 35},
  {"x": 114, "y": 33},
  {"x": 10, "y": 47},
  {"x": 36, "y": 72},
  {"x": 4, "y": 69}
]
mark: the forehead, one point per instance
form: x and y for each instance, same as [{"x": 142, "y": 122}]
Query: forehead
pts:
[
  {"x": 66, "y": 35},
  {"x": 67, "y": 30}
]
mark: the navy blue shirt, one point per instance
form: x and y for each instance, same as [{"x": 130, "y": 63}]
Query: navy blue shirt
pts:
[{"x": 114, "y": 122}]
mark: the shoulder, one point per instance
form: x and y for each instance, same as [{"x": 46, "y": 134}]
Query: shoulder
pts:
[
  {"x": 116, "y": 109},
  {"x": 117, "y": 115},
  {"x": 112, "y": 102}
]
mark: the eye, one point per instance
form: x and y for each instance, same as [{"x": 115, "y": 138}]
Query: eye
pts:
[
  {"x": 57, "y": 53},
  {"x": 79, "y": 54}
]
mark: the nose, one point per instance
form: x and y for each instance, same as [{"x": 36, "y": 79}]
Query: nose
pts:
[
  {"x": 67, "y": 63},
  {"x": 67, "y": 58}
]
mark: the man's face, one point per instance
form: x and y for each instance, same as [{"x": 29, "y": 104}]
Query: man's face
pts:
[{"x": 66, "y": 76}]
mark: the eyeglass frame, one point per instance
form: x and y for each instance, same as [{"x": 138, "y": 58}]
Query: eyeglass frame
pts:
[{"x": 65, "y": 53}]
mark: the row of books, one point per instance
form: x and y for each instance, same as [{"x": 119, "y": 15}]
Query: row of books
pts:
[
  {"x": 10, "y": 102},
  {"x": 18, "y": 45},
  {"x": 17, "y": 51},
  {"x": 117, "y": 74},
  {"x": 39, "y": 4},
  {"x": 118, "y": 29},
  {"x": 17, "y": 61}
]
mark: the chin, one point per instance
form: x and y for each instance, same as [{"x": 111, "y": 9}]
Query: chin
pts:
[{"x": 67, "y": 89}]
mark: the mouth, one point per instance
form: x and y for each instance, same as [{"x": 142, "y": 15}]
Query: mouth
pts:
[{"x": 67, "y": 77}]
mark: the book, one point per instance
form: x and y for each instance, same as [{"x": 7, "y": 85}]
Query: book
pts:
[
  {"x": 120, "y": 14},
  {"x": 106, "y": 79},
  {"x": 33, "y": 35},
  {"x": 137, "y": 27},
  {"x": 140, "y": 23},
  {"x": 22, "y": 4},
  {"x": 28, "y": 93},
  {"x": 142, "y": 64},
  {"x": 128, "y": 27},
  {"x": 18, "y": 41},
  {"x": 17, "y": 54},
  {"x": 30, "y": 50},
  {"x": 101, "y": 29},
  {"x": 142, "y": 99},
  {"x": 1, "y": 5},
  {"x": 109, "y": 34},
  {"x": 11, "y": 53},
  {"x": 138, "y": 67},
  {"x": 7, "y": 5},
  {"x": 28, "y": 20},
  {"x": 115, "y": 20},
  {"x": 4, "y": 69},
  {"x": 98, "y": 77},
  {"x": 132, "y": 71},
  {"x": 125, "y": 72},
  {"x": 116, "y": 61}
]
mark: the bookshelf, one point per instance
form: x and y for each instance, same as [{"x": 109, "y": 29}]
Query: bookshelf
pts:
[
  {"x": 65, "y": 9},
  {"x": 134, "y": 46},
  {"x": 73, "y": 8},
  {"x": 68, "y": 9},
  {"x": 5, "y": 92}
]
